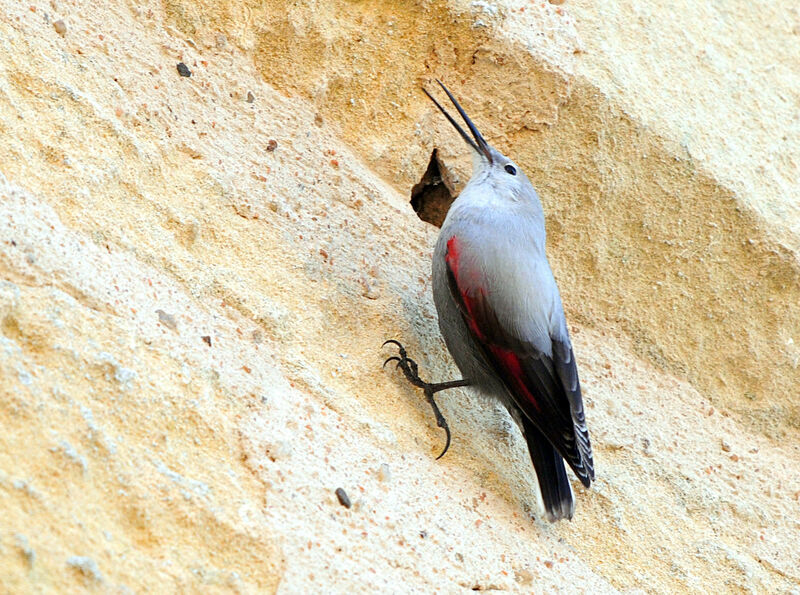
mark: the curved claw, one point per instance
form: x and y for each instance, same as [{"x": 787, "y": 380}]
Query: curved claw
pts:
[
  {"x": 391, "y": 359},
  {"x": 447, "y": 441},
  {"x": 385, "y": 343},
  {"x": 440, "y": 421}
]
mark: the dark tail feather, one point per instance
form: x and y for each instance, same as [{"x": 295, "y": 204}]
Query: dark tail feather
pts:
[{"x": 553, "y": 483}]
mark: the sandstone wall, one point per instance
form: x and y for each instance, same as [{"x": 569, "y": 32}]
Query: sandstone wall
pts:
[{"x": 196, "y": 275}]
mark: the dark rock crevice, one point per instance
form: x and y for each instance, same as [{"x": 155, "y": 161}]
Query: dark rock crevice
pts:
[{"x": 430, "y": 197}]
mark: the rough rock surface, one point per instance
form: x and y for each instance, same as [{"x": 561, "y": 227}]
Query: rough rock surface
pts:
[{"x": 196, "y": 275}]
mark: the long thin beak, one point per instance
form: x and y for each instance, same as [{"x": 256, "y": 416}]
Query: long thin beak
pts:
[{"x": 479, "y": 144}]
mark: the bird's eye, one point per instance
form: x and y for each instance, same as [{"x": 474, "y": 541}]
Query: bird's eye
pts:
[{"x": 511, "y": 169}]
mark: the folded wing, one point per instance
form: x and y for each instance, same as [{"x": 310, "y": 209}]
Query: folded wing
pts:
[{"x": 545, "y": 387}]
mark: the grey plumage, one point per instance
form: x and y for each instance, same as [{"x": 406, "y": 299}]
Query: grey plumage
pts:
[{"x": 501, "y": 316}]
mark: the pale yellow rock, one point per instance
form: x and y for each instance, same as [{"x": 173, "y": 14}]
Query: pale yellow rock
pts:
[{"x": 194, "y": 288}]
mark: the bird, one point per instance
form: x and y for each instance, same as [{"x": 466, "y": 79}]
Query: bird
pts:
[{"x": 501, "y": 317}]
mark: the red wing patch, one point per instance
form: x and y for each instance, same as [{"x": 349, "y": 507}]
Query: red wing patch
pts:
[
  {"x": 452, "y": 258},
  {"x": 509, "y": 361}
]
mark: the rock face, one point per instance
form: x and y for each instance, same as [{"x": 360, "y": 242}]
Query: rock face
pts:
[{"x": 197, "y": 273}]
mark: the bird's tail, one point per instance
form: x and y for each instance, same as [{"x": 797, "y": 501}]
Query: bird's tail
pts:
[{"x": 553, "y": 483}]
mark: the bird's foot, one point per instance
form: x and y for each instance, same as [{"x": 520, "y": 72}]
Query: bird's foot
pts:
[
  {"x": 410, "y": 370},
  {"x": 406, "y": 364}
]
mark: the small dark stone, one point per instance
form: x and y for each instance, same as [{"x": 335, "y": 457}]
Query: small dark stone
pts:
[
  {"x": 344, "y": 499},
  {"x": 272, "y": 145},
  {"x": 207, "y": 339},
  {"x": 183, "y": 70},
  {"x": 250, "y": 97}
]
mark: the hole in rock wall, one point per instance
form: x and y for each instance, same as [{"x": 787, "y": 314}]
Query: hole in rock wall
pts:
[{"x": 430, "y": 197}]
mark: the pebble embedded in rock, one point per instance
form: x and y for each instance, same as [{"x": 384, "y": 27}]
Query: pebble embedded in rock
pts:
[
  {"x": 524, "y": 576},
  {"x": 86, "y": 566},
  {"x": 272, "y": 145},
  {"x": 168, "y": 320},
  {"x": 368, "y": 290},
  {"x": 61, "y": 27},
  {"x": 250, "y": 97},
  {"x": 207, "y": 339},
  {"x": 344, "y": 499},
  {"x": 183, "y": 70}
]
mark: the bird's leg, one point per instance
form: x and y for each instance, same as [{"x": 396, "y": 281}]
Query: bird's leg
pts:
[{"x": 409, "y": 368}]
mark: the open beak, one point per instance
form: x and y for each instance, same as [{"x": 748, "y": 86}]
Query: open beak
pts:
[{"x": 479, "y": 144}]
